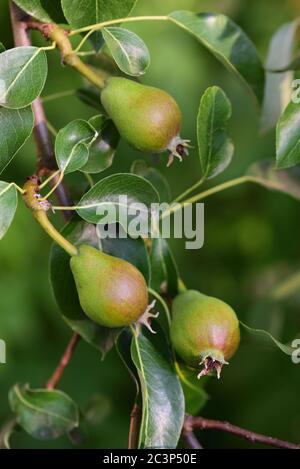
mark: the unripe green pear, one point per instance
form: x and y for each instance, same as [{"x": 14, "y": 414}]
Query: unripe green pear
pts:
[
  {"x": 148, "y": 118},
  {"x": 204, "y": 330},
  {"x": 112, "y": 292}
]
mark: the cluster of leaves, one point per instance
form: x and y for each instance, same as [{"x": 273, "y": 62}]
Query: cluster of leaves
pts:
[{"x": 167, "y": 388}]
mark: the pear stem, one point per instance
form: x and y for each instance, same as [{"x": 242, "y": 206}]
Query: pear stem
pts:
[
  {"x": 39, "y": 210},
  {"x": 43, "y": 220}
]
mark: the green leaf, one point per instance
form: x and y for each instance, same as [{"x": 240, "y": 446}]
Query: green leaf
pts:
[
  {"x": 288, "y": 137},
  {"x": 64, "y": 288},
  {"x": 6, "y": 432},
  {"x": 287, "y": 180},
  {"x": 8, "y": 206},
  {"x": 195, "y": 396},
  {"x": 266, "y": 339},
  {"x": 47, "y": 11},
  {"x": 163, "y": 400},
  {"x": 215, "y": 146},
  {"x": 103, "y": 148},
  {"x": 90, "y": 95},
  {"x": 72, "y": 145},
  {"x": 15, "y": 128},
  {"x": 95, "y": 11},
  {"x": 141, "y": 168},
  {"x": 97, "y": 409},
  {"x": 2, "y": 48},
  {"x": 164, "y": 273},
  {"x": 278, "y": 86},
  {"x": 105, "y": 195},
  {"x": 228, "y": 43},
  {"x": 44, "y": 414},
  {"x": 123, "y": 347},
  {"x": 129, "y": 249},
  {"x": 23, "y": 72},
  {"x": 128, "y": 50}
]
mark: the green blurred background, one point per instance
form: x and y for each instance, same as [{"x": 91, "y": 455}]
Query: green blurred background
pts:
[{"x": 251, "y": 241}]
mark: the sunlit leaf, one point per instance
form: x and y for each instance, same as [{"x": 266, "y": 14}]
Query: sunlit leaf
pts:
[
  {"x": 109, "y": 200},
  {"x": 278, "y": 86},
  {"x": 44, "y": 414},
  {"x": 103, "y": 148},
  {"x": 15, "y": 128},
  {"x": 163, "y": 400},
  {"x": 8, "y": 206},
  {"x": 228, "y": 43},
  {"x": 128, "y": 50},
  {"x": 215, "y": 146},
  {"x": 288, "y": 137},
  {"x": 72, "y": 145},
  {"x": 23, "y": 72}
]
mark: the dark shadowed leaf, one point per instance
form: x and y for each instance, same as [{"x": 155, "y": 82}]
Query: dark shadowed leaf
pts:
[
  {"x": 164, "y": 273},
  {"x": 131, "y": 250},
  {"x": 65, "y": 292},
  {"x": 288, "y": 137},
  {"x": 8, "y": 206},
  {"x": 90, "y": 95},
  {"x": 128, "y": 50},
  {"x": 95, "y": 11},
  {"x": 44, "y": 414},
  {"x": 215, "y": 146},
  {"x": 266, "y": 339},
  {"x": 97, "y": 409},
  {"x": 15, "y": 128},
  {"x": 163, "y": 400},
  {"x": 72, "y": 145},
  {"x": 141, "y": 168},
  {"x": 6, "y": 432},
  {"x": 103, "y": 148},
  {"x": 194, "y": 394},
  {"x": 286, "y": 180},
  {"x": 47, "y": 11},
  {"x": 228, "y": 43},
  {"x": 108, "y": 200},
  {"x": 123, "y": 346},
  {"x": 278, "y": 86},
  {"x": 23, "y": 72}
]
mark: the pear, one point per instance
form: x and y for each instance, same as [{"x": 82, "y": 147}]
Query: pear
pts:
[
  {"x": 147, "y": 117},
  {"x": 204, "y": 330},
  {"x": 112, "y": 292}
]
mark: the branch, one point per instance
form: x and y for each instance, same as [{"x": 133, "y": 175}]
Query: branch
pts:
[
  {"x": 206, "y": 424},
  {"x": 64, "y": 361},
  {"x": 190, "y": 439},
  {"x": 46, "y": 156},
  {"x": 134, "y": 429}
]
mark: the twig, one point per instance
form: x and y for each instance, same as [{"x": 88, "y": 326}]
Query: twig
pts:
[
  {"x": 206, "y": 424},
  {"x": 46, "y": 157},
  {"x": 46, "y": 160},
  {"x": 64, "y": 361},
  {"x": 190, "y": 439},
  {"x": 134, "y": 429}
]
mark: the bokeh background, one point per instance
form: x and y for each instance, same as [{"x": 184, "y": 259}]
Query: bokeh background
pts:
[{"x": 251, "y": 242}]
